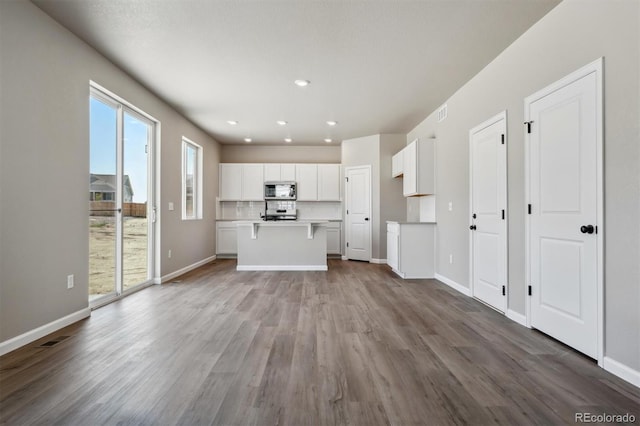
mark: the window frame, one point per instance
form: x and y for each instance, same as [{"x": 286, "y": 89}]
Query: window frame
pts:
[{"x": 197, "y": 181}]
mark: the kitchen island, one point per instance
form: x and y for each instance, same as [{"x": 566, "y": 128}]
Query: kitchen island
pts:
[{"x": 295, "y": 245}]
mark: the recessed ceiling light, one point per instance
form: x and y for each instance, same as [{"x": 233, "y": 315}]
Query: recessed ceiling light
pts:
[
  {"x": 247, "y": 140},
  {"x": 302, "y": 83},
  {"x": 287, "y": 140},
  {"x": 328, "y": 140},
  {"x": 332, "y": 123},
  {"x": 232, "y": 122},
  {"x": 281, "y": 123}
]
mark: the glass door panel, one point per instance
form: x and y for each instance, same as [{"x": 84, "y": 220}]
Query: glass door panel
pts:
[
  {"x": 103, "y": 214},
  {"x": 135, "y": 196}
]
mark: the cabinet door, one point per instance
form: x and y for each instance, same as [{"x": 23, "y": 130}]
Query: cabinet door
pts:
[
  {"x": 272, "y": 172},
  {"x": 226, "y": 239},
  {"x": 333, "y": 240},
  {"x": 307, "y": 179},
  {"x": 396, "y": 164},
  {"x": 230, "y": 182},
  {"x": 410, "y": 166},
  {"x": 252, "y": 182},
  {"x": 288, "y": 172},
  {"x": 393, "y": 244},
  {"x": 329, "y": 182}
]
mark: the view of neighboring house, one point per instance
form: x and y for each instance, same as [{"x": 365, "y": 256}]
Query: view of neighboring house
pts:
[{"x": 103, "y": 188}]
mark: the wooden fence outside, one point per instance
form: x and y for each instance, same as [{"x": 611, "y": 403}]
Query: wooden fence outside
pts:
[{"x": 106, "y": 208}]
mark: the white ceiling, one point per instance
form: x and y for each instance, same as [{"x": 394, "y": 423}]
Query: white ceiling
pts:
[{"x": 374, "y": 66}]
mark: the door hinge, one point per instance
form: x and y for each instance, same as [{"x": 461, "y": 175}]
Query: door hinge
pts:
[
  {"x": 146, "y": 149},
  {"x": 347, "y": 244},
  {"x": 502, "y": 139},
  {"x": 504, "y": 291},
  {"x": 529, "y": 290},
  {"x": 528, "y": 123},
  {"x": 596, "y": 229},
  {"x": 347, "y": 179},
  {"x": 347, "y": 211},
  {"x": 529, "y": 208},
  {"x": 502, "y": 214}
]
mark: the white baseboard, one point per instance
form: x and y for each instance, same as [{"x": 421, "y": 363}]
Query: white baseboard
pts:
[
  {"x": 454, "y": 285},
  {"x": 37, "y": 333},
  {"x": 626, "y": 373},
  {"x": 281, "y": 268},
  {"x": 186, "y": 269},
  {"x": 378, "y": 261},
  {"x": 344, "y": 258},
  {"x": 517, "y": 317}
]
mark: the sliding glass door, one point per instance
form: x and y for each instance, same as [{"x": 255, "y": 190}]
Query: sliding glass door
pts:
[{"x": 120, "y": 197}]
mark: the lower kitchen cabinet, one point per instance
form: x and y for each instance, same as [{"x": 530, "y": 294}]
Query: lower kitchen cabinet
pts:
[
  {"x": 411, "y": 249},
  {"x": 226, "y": 238},
  {"x": 334, "y": 243}
]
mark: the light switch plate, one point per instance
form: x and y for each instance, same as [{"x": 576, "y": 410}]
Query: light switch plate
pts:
[{"x": 170, "y": 206}]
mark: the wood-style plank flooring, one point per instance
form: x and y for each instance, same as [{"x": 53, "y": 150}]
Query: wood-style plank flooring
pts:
[{"x": 355, "y": 345}]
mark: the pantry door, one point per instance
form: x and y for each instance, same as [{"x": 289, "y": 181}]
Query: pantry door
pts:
[
  {"x": 564, "y": 180},
  {"x": 488, "y": 221},
  {"x": 358, "y": 212}
]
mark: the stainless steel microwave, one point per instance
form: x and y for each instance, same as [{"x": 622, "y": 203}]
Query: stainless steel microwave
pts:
[{"x": 280, "y": 190}]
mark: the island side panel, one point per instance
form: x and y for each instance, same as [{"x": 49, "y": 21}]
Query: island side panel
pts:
[{"x": 282, "y": 248}]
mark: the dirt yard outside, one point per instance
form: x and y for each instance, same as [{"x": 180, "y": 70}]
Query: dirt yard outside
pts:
[{"x": 102, "y": 251}]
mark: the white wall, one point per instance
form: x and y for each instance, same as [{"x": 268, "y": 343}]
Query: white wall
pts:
[
  {"x": 44, "y": 169},
  {"x": 573, "y": 34}
]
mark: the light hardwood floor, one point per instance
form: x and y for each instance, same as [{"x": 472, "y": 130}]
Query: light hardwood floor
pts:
[{"x": 355, "y": 345}]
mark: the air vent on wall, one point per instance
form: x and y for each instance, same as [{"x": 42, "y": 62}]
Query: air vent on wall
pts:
[{"x": 442, "y": 113}]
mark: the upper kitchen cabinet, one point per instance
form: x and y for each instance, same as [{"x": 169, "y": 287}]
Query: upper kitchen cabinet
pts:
[
  {"x": 279, "y": 172},
  {"x": 329, "y": 182},
  {"x": 241, "y": 182},
  {"x": 307, "y": 181},
  {"x": 397, "y": 162},
  {"x": 231, "y": 182},
  {"x": 418, "y": 166},
  {"x": 252, "y": 182}
]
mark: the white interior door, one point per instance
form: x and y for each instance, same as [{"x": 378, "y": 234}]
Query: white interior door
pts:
[
  {"x": 358, "y": 213},
  {"x": 488, "y": 154},
  {"x": 564, "y": 146}
]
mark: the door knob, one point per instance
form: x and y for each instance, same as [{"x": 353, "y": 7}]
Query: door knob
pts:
[
  {"x": 587, "y": 229},
  {"x": 366, "y": 218},
  {"x": 472, "y": 227}
]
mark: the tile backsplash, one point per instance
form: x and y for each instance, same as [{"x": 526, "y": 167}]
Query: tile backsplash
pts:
[{"x": 247, "y": 210}]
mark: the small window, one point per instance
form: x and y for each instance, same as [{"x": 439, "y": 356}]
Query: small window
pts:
[{"x": 191, "y": 180}]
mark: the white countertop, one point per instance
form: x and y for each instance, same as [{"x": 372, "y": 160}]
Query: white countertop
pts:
[
  {"x": 281, "y": 222},
  {"x": 411, "y": 223}
]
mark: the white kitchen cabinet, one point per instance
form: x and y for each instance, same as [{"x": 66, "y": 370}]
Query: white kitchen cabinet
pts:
[
  {"x": 226, "y": 238},
  {"x": 279, "y": 172},
  {"x": 329, "y": 182},
  {"x": 397, "y": 162},
  {"x": 334, "y": 240},
  {"x": 252, "y": 182},
  {"x": 418, "y": 164},
  {"x": 411, "y": 249},
  {"x": 272, "y": 172},
  {"x": 288, "y": 172},
  {"x": 230, "y": 182},
  {"x": 307, "y": 181}
]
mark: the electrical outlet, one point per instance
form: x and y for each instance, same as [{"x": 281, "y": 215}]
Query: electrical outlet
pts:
[
  {"x": 450, "y": 206},
  {"x": 70, "y": 281},
  {"x": 450, "y": 258},
  {"x": 169, "y": 255}
]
